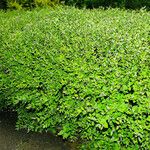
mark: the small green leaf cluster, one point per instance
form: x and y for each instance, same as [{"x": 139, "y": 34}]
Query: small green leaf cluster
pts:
[
  {"x": 82, "y": 74},
  {"x": 19, "y": 4}
]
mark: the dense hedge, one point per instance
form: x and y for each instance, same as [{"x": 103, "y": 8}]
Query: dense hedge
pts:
[
  {"x": 79, "y": 73},
  {"x": 132, "y": 4}
]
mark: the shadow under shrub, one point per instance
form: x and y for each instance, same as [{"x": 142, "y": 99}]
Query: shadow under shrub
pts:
[{"x": 81, "y": 74}]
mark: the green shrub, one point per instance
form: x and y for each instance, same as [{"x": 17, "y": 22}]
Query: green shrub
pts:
[
  {"x": 79, "y": 73},
  {"x": 18, "y": 4},
  {"x": 14, "y": 5}
]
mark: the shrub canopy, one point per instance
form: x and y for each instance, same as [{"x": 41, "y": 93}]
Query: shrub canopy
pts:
[{"x": 79, "y": 73}]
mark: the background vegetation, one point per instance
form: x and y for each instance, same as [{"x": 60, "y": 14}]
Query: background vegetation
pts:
[
  {"x": 130, "y": 4},
  {"x": 82, "y": 74},
  {"x": 19, "y": 4}
]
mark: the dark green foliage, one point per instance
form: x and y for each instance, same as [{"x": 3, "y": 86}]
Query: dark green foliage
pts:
[
  {"x": 130, "y": 4},
  {"x": 137, "y": 4},
  {"x": 79, "y": 73}
]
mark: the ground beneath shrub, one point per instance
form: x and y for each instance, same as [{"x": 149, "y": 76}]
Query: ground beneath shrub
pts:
[{"x": 10, "y": 139}]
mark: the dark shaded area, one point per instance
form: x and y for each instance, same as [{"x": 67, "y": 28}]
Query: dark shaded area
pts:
[
  {"x": 3, "y": 4},
  {"x": 129, "y": 4},
  {"x": 10, "y": 139},
  {"x": 90, "y": 4}
]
